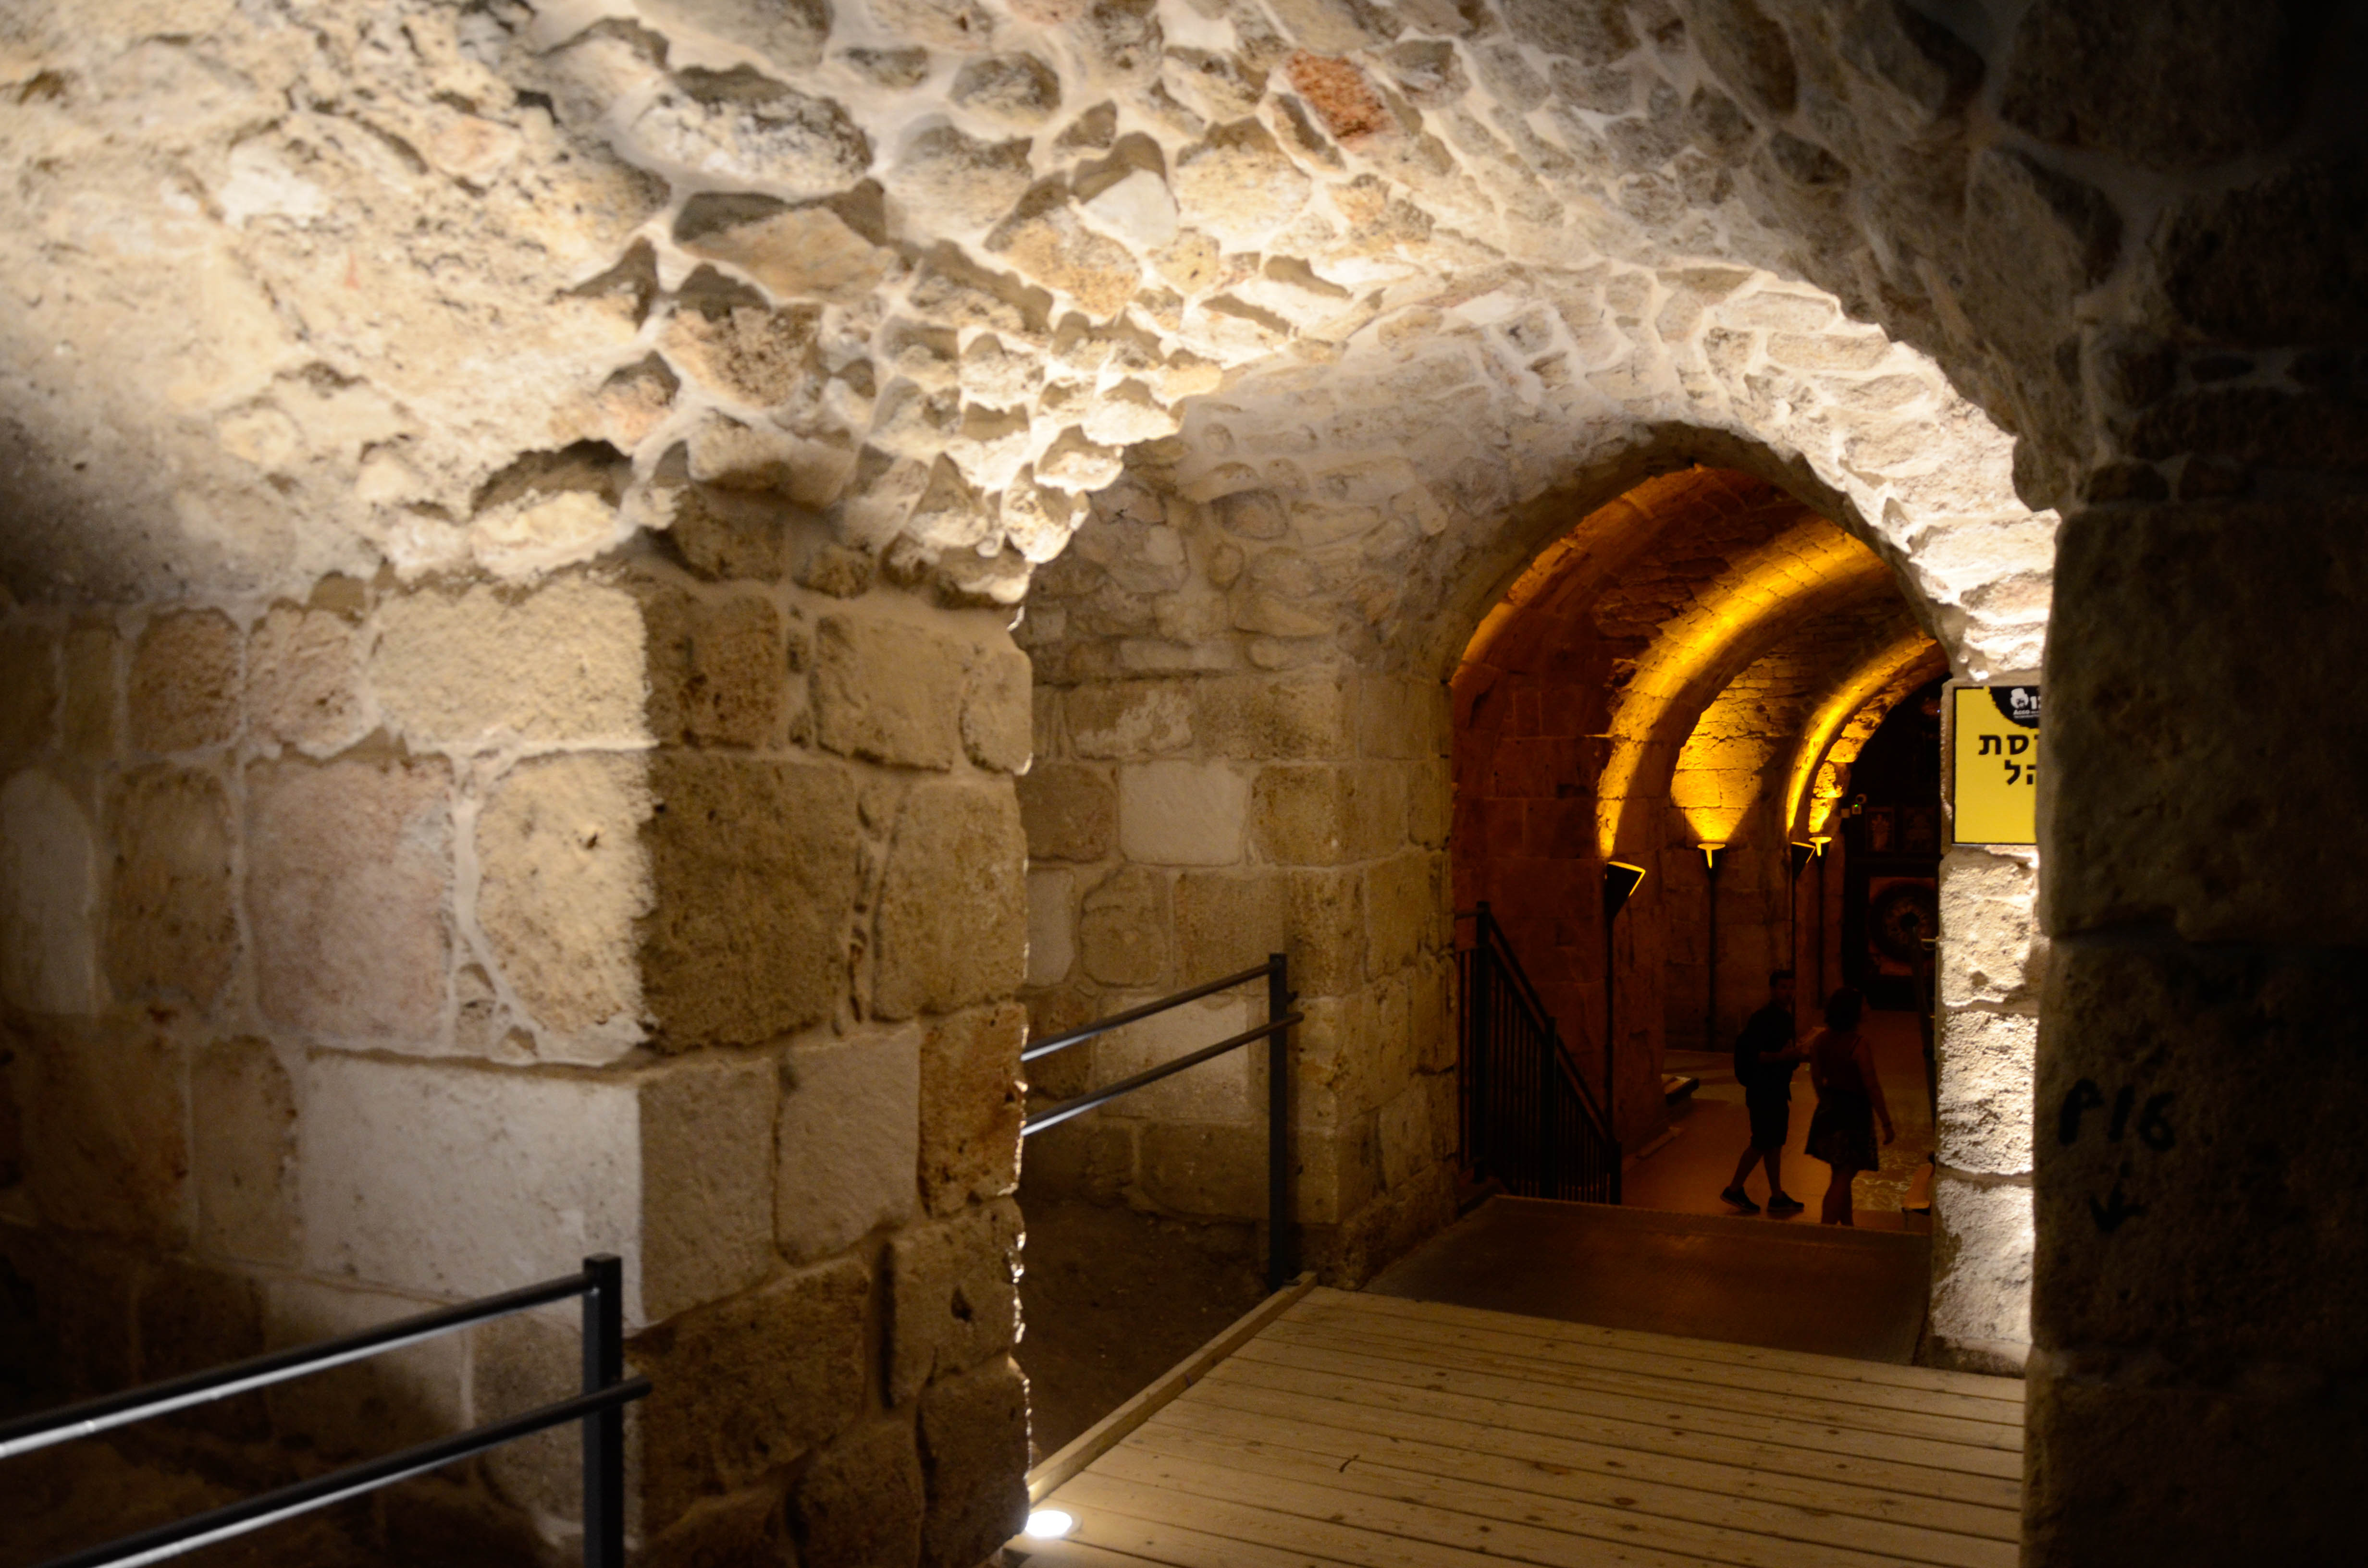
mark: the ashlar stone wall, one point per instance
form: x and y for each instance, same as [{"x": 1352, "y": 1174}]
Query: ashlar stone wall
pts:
[
  {"x": 408, "y": 942},
  {"x": 1183, "y": 826}
]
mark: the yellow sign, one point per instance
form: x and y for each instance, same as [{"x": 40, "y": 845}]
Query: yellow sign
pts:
[{"x": 1994, "y": 764}]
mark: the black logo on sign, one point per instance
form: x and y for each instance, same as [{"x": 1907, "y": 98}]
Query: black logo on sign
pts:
[{"x": 2016, "y": 704}]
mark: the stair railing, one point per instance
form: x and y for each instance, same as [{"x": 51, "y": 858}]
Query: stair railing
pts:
[
  {"x": 1528, "y": 1118},
  {"x": 1281, "y": 1248},
  {"x": 600, "y": 1407}
]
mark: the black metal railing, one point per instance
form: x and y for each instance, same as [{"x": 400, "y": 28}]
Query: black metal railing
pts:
[
  {"x": 1527, "y": 1118},
  {"x": 1280, "y": 1253},
  {"x": 601, "y": 1408}
]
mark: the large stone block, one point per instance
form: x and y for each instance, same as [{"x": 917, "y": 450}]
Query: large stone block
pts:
[
  {"x": 975, "y": 1448},
  {"x": 1325, "y": 815},
  {"x": 92, "y": 711},
  {"x": 754, "y": 869},
  {"x": 1219, "y": 1090},
  {"x": 1052, "y": 926},
  {"x": 2165, "y": 794},
  {"x": 48, "y": 897},
  {"x": 564, "y": 878},
  {"x": 1229, "y": 921},
  {"x": 953, "y": 912},
  {"x": 1070, "y": 812},
  {"x": 1086, "y": 1158},
  {"x": 889, "y": 690},
  {"x": 1991, "y": 949},
  {"x": 996, "y": 722},
  {"x": 2124, "y": 1472},
  {"x": 243, "y": 1119},
  {"x": 66, "y": 1321},
  {"x": 105, "y": 1114},
  {"x": 457, "y": 1180},
  {"x": 564, "y": 662},
  {"x": 1987, "y": 1067},
  {"x": 191, "y": 1319},
  {"x": 1302, "y": 718},
  {"x": 345, "y": 871},
  {"x": 1404, "y": 719},
  {"x": 1128, "y": 721},
  {"x": 1122, "y": 934},
  {"x": 1201, "y": 1169},
  {"x": 515, "y": 1365},
  {"x": 971, "y": 1106},
  {"x": 745, "y": 1386},
  {"x": 861, "y": 1503},
  {"x": 171, "y": 926},
  {"x": 1981, "y": 1268},
  {"x": 403, "y": 1396},
  {"x": 28, "y": 694},
  {"x": 1182, "y": 813},
  {"x": 849, "y": 1140},
  {"x": 2193, "y": 1201},
  {"x": 707, "y": 1169},
  {"x": 1405, "y": 910},
  {"x": 303, "y": 680},
  {"x": 184, "y": 686},
  {"x": 718, "y": 670},
  {"x": 953, "y": 1296}
]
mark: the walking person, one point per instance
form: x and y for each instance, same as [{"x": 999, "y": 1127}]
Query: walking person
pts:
[
  {"x": 1764, "y": 1058},
  {"x": 1850, "y": 1101}
]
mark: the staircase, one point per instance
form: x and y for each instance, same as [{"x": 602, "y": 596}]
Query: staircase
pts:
[{"x": 1529, "y": 1122}]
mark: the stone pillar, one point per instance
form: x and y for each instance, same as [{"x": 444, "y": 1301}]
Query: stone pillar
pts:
[
  {"x": 1991, "y": 959},
  {"x": 407, "y": 944},
  {"x": 2202, "y": 1057}
]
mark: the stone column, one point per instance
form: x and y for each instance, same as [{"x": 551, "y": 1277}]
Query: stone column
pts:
[
  {"x": 407, "y": 944},
  {"x": 2202, "y": 1246}
]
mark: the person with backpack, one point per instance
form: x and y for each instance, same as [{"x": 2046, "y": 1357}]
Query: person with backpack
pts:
[{"x": 1764, "y": 1058}]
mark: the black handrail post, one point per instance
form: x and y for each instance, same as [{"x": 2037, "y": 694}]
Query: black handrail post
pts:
[
  {"x": 1476, "y": 1011},
  {"x": 1280, "y": 1263},
  {"x": 603, "y": 1430}
]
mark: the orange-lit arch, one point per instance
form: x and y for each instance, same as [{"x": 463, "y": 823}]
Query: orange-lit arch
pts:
[
  {"x": 1847, "y": 720},
  {"x": 1803, "y": 571}
]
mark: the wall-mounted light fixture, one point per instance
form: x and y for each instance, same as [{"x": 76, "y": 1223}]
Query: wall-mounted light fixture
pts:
[
  {"x": 1710, "y": 978},
  {"x": 1619, "y": 879}
]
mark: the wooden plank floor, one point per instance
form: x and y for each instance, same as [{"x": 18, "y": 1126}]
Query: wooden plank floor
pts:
[{"x": 1386, "y": 1432}]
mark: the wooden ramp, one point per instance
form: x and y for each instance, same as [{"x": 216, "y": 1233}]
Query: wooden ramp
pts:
[{"x": 1387, "y": 1433}]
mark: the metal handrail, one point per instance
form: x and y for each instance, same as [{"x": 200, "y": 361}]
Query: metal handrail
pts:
[
  {"x": 1492, "y": 931},
  {"x": 1276, "y": 1031},
  {"x": 1527, "y": 1116},
  {"x": 1136, "y": 1015},
  {"x": 600, "y": 1407}
]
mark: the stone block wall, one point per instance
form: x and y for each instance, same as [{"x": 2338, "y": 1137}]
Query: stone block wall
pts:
[
  {"x": 407, "y": 943},
  {"x": 1181, "y": 826}
]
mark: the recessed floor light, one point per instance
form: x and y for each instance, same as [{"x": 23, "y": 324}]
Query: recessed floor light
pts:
[{"x": 1050, "y": 1523}]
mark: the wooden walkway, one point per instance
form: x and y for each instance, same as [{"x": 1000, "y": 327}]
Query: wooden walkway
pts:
[{"x": 1386, "y": 1432}]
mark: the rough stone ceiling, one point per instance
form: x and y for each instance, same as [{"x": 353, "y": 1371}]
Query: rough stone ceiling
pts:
[{"x": 312, "y": 287}]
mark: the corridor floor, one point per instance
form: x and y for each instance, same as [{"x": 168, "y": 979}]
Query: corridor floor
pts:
[
  {"x": 1381, "y": 1432},
  {"x": 1818, "y": 1289}
]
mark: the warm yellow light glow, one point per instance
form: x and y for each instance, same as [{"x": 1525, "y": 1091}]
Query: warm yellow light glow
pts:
[
  {"x": 1907, "y": 655},
  {"x": 1050, "y": 1523},
  {"x": 1709, "y": 854},
  {"x": 1796, "y": 574}
]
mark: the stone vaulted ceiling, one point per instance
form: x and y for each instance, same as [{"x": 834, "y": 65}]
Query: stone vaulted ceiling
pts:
[{"x": 299, "y": 287}]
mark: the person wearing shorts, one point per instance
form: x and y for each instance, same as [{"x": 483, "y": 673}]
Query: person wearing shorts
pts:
[{"x": 1764, "y": 1058}]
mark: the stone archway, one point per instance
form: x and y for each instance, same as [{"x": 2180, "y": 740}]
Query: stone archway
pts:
[{"x": 1338, "y": 311}]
